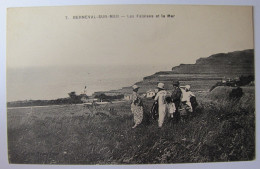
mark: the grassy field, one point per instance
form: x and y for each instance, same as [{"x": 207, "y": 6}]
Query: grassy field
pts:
[{"x": 220, "y": 130}]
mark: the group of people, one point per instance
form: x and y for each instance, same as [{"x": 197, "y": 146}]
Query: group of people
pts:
[{"x": 175, "y": 104}]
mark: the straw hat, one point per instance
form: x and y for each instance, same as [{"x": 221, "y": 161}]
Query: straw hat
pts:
[
  {"x": 187, "y": 87},
  {"x": 135, "y": 87},
  {"x": 160, "y": 86}
]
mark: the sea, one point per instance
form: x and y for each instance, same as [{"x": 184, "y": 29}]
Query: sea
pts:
[{"x": 53, "y": 82}]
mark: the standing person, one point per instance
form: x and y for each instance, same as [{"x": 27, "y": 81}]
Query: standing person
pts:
[
  {"x": 154, "y": 110},
  {"x": 160, "y": 97},
  {"x": 176, "y": 98},
  {"x": 186, "y": 95},
  {"x": 137, "y": 107}
]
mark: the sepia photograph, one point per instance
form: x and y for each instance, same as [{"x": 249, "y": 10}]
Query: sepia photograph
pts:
[{"x": 130, "y": 84}]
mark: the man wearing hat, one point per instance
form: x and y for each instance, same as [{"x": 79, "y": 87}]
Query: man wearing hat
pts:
[{"x": 160, "y": 97}]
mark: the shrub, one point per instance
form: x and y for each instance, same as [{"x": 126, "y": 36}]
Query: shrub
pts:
[{"x": 236, "y": 93}]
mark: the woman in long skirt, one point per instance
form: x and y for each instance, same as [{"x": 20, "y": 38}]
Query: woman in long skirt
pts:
[{"x": 137, "y": 107}]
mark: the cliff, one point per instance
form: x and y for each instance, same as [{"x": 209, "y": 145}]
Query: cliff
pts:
[
  {"x": 203, "y": 74},
  {"x": 230, "y": 64}
]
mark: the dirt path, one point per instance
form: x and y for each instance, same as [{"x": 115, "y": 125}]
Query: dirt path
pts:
[{"x": 27, "y": 107}]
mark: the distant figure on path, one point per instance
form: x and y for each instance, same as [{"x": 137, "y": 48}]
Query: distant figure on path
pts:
[
  {"x": 137, "y": 107},
  {"x": 160, "y": 97}
]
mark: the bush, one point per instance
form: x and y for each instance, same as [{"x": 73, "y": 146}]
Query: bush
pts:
[
  {"x": 245, "y": 80},
  {"x": 236, "y": 93}
]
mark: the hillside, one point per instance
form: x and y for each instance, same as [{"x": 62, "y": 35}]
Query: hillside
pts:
[
  {"x": 220, "y": 130},
  {"x": 229, "y": 64},
  {"x": 203, "y": 74}
]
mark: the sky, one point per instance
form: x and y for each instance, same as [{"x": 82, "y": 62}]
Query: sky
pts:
[{"x": 42, "y": 36}]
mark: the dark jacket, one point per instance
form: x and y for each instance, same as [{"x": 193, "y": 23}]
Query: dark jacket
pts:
[
  {"x": 194, "y": 102},
  {"x": 176, "y": 96},
  {"x": 154, "y": 111}
]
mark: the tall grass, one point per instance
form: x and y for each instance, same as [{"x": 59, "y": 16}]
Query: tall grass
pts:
[{"x": 220, "y": 130}]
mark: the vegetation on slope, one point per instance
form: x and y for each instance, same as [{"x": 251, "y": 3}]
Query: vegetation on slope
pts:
[{"x": 221, "y": 130}]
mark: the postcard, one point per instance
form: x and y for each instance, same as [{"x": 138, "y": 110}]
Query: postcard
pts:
[{"x": 130, "y": 84}]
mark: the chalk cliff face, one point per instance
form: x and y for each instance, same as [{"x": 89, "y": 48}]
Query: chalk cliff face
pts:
[
  {"x": 229, "y": 64},
  {"x": 203, "y": 74}
]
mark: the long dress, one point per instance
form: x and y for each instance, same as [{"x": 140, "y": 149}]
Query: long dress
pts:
[
  {"x": 137, "y": 109},
  {"x": 160, "y": 96}
]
